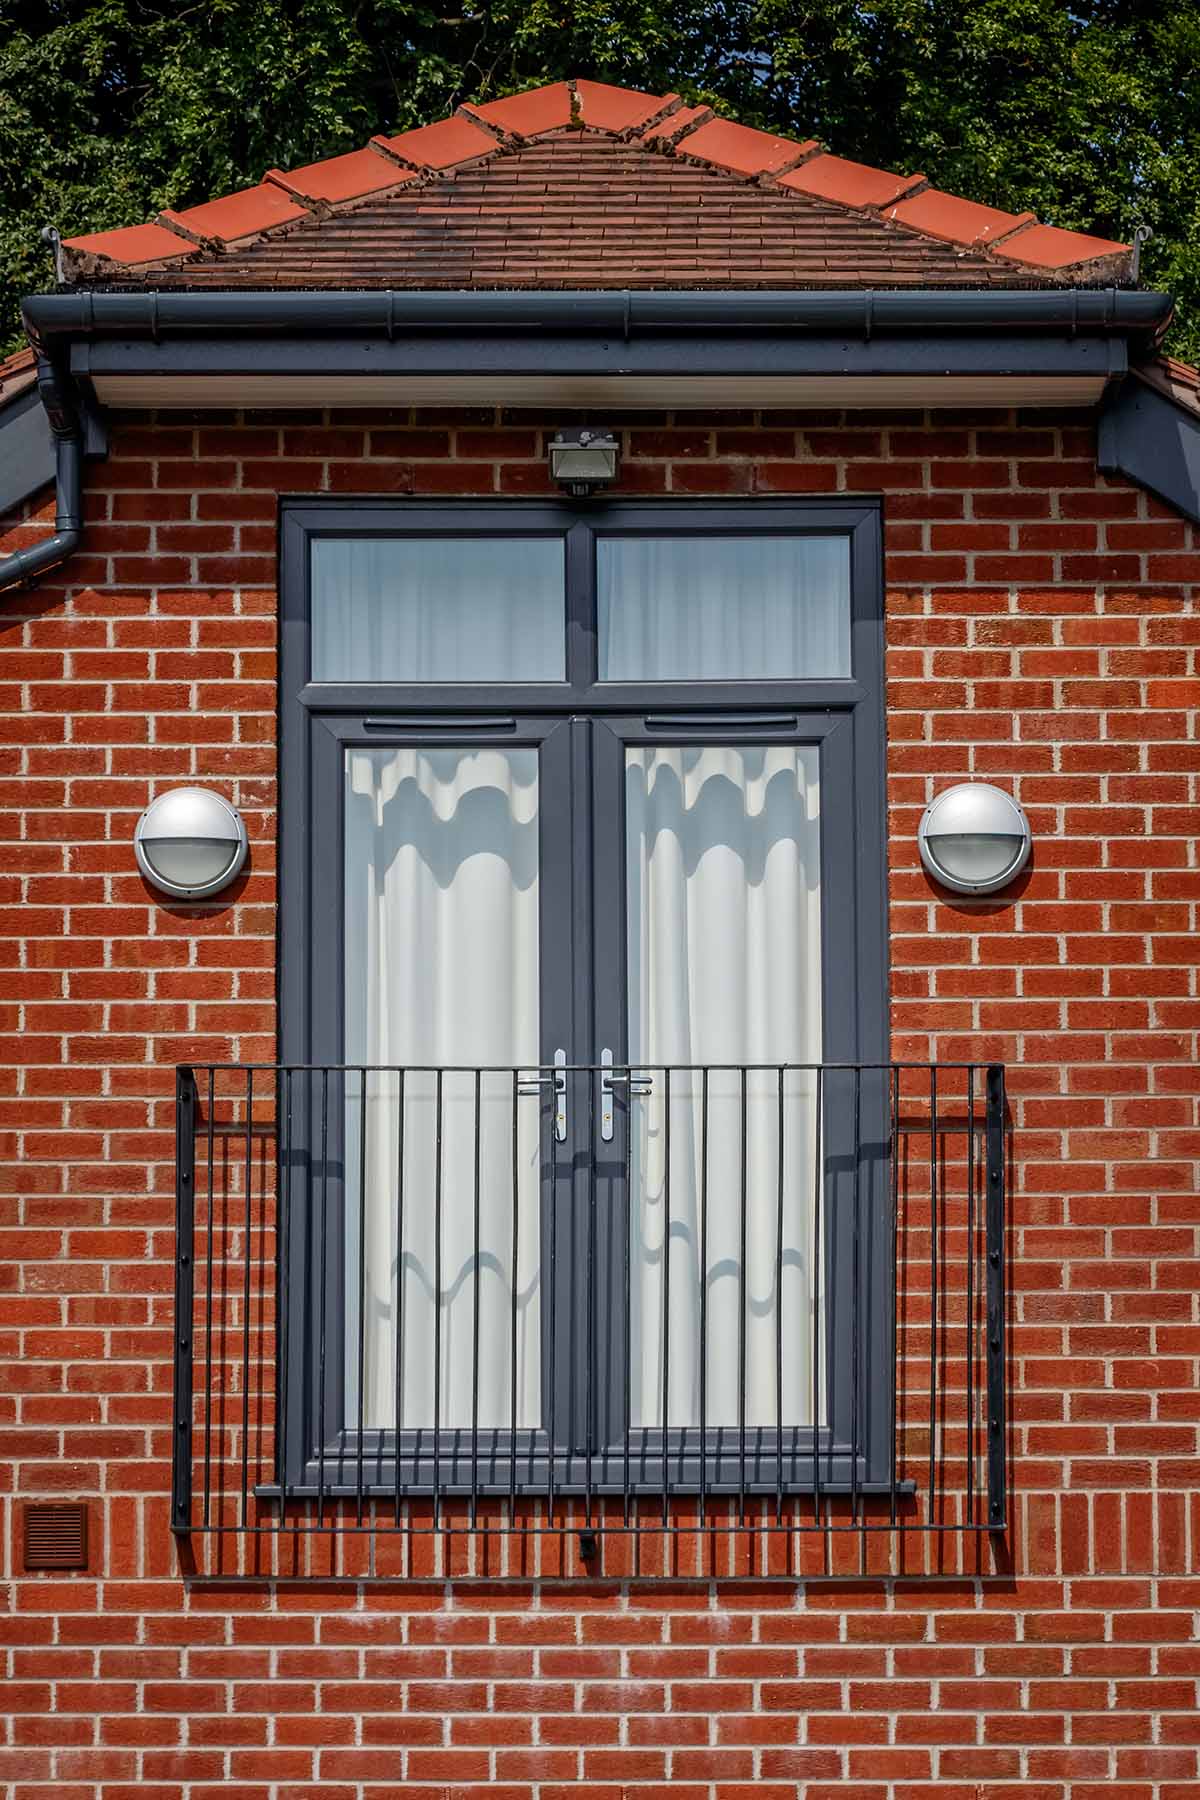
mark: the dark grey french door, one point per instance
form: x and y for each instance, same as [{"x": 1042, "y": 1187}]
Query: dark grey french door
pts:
[{"x": 581, "y": 963}]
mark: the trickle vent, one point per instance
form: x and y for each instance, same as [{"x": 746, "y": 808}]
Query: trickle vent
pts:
[{"x": 56, "y": 1537}]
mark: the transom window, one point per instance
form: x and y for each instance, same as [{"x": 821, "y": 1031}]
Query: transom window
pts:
[{"x": 583, "y": 953}]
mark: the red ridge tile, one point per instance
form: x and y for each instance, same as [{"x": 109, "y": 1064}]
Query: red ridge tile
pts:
[
  {"x": 348, "y": 177},
  {"x": 605, "y": 108},
  {"x": 1050, "y": 247},
  {"x": 131, "y": 245},
  {"x": 440, "y": 146},
  {"x": 677, "y": 124},
  {"x": 238, "y": 216},
  {"x": 953, "y": 220},
  {"x": 527, "y": 114},
  {"x": 745, "y": 151},
  {"x": 849, "y": 183}
]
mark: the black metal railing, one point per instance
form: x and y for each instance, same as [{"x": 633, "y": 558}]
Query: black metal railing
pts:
[{"x": 520, "y": 1321}]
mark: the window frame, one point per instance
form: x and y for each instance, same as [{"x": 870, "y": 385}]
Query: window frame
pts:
[{"x": 844, "y": 713}]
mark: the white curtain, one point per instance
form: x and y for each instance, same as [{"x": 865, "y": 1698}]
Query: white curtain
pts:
[
  {"x": 724, "y": 967},
  {"x": 441, "y": 966},
  {"x": 438, "y": 609},
  {"x": 723, "y": 609}
]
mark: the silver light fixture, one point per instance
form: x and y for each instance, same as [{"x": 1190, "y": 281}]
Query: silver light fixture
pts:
[
  {"x": 974, "y": 838},
  {"x": 190, "y": 843},
  {"x": 583, "y": 459}
]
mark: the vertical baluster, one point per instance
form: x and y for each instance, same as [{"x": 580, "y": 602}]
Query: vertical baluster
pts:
[
  {"x": 321, "y": 1298},
  {"x": 971, "y": 1296},
  {"x": 856, "y": 1308},
  {"x": 512, "y": 1322},
  {"x": 362, "y": 1295},
  {"x": 589, "y": 1393},
  {"x": 208, "y": 1300},
  {"x": 779, "y": 1311},
  {"x": 474, "y": 1501},
  {"x": 815, "y": 1279},
  {"x": 933, "y": 1293},
  {"x": 704, "y": 1296},
  {"x": 552, "y": 1439},
  {"x": 994, "y": 1204},
  {"x": 398, "y": 1396},
  {"x": 893, "y": 1365},
  {"x": 246, "y": 1300},
  {"x": 185, "y": 1250},
  {"x": 743, "y": 1289},
  {"x": 628, "y": 1280},
  {"x": 283, "y": 1281},
  {"x": 437, "y": 1303},
  {"x": 666, "y": 1295}
]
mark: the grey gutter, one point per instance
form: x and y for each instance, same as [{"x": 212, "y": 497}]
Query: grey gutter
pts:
[
  {"x": 66, "y": 428},
  {"x": 52, "y": 318}
]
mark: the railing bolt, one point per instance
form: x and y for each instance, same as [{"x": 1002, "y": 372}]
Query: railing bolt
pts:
[{"x": 994, "y": 1258}]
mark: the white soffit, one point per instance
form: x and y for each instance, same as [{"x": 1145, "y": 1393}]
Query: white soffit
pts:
[{"x": 279, "y": 392}]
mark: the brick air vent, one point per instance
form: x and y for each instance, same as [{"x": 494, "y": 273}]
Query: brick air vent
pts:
[{"x": 56, "y": 1537}]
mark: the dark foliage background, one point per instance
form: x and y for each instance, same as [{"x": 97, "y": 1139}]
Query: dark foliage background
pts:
[{"x": 1085, "y": 112}]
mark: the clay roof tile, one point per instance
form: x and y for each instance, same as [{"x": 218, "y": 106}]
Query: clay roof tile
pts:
[{"x": 556, "y": 196}]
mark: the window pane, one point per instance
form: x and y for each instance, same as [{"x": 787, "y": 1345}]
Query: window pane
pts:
[
  {"x": 441, "y": 967},
  {"x": 438, "y": 609},
  {"x": 723, "y": 609},
  {"x": 724, "y": 951}
]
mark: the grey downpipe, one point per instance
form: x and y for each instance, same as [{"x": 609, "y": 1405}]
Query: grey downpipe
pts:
[
  {"x": 25, "y": 566},
  {"x": 52, "y": 319}
]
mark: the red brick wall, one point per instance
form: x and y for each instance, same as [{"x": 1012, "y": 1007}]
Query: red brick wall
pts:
[{"x": 1040, "y": 634}]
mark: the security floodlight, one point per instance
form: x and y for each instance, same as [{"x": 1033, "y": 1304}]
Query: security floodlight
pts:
[{"x": 583, "y": 460}]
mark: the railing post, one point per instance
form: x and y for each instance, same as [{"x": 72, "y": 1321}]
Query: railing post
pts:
[
  {"x": 994, "y": 1223},
  {"x": 185, "y": 1225}
]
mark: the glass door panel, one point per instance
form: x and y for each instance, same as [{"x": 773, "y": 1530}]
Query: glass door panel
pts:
[
  {"x": 723, "y": 958},
  {"x": 441, "y": 973}
]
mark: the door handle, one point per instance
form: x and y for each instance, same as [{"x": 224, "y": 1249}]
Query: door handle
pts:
[
  {"x": 639, "y": 1083},
  {"x": 533, "y": 1084}
]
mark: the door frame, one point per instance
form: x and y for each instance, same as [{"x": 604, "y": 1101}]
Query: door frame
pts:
[{"x": 844, "y": 714}]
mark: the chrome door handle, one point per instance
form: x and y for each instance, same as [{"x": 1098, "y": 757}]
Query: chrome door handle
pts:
[
  {"x": 533, "y": 1084},
  {"x": 609, "y": 1077}
]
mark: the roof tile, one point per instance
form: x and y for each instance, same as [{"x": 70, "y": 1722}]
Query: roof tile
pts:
[
  {"x": 238, "y": 216},
  {"x": 1050, "y": 247},
  {"x": 849, "y": 183},
  {"x": 953, "y": 220},
  {"x": 346, "y": 177},
  {"x": 617, "y": 109},
  {"x": 676, "y": 124},
  {"x": 440, "y": 146},
  {"x": 540, "y": 109},
  {"x": 18, "y": 373},
  {"x": 543, "y": 221},
  {"x": 744, "y": 151},
  {"x": 131, "y": 245}
]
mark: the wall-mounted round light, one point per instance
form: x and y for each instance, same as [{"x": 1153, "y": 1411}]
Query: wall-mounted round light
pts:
[
  {"x": 974, "y": 838},
  {"x": 190, "y": 843}
]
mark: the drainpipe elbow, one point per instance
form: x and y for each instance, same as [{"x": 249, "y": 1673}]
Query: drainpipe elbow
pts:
[{"x": 24, "y": 567}]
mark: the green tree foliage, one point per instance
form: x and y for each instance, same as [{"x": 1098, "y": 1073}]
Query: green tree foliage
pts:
[{"x": 1086, "y": 112}]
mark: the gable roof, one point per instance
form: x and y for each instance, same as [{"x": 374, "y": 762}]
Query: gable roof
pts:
[{"x": 581, "y": 185}]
